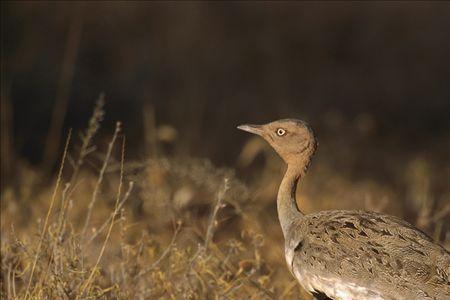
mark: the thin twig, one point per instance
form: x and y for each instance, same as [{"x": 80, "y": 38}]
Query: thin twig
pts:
[
  {"x": 116, "y": 209},
  {"x": 100, "y": 179},
  {"x": 56, "y": 238},
  {"x": 218, "y": 253},
  {"x": 65, "y": 195},
  {"x": 44, "y": 228},
  {"x": 210, "y": 229},
  {"x": 217, "y": 206},
  {"x": 88, "y": 135},
  {"x": 164, "y": 254},
  {"x": 122, "y": 202},
  {"x": 211, "y": 222}
]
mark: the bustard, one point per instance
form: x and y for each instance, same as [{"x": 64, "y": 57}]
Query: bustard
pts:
[{"x": 346, "y": 254}]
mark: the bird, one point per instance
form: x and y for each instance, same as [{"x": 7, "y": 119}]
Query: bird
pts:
[{"x": 349, "y": 254}]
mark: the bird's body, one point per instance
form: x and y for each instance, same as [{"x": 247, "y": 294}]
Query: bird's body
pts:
[
  {"x": 366, "y": 255},
  {"x": 345, "y": 254}
]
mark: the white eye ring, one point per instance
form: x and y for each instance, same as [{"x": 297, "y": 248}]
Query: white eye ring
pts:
[{"x": 281, "y": 132}]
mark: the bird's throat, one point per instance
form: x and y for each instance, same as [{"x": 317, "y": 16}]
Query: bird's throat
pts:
[{"x": 288, "y": 210}]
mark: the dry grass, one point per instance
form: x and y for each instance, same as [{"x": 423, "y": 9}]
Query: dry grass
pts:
[{"x": 169, "y": 227}]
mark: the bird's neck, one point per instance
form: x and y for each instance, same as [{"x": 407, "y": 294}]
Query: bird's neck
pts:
[{"x": 288, "y": 210}]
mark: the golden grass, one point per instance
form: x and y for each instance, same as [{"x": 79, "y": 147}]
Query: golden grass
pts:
[
  {"x": 184, "y": 229},
  {"x": 52, "y": 202}
]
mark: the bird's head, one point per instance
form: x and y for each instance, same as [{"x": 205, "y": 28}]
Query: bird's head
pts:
[{"x": 292, "y": 139}]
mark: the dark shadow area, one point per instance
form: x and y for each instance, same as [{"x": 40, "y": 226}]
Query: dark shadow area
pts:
[{"x": 381, "y": 68}]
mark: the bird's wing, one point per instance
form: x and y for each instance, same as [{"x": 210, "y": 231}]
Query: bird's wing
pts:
[{"x": 369, "y": 253}]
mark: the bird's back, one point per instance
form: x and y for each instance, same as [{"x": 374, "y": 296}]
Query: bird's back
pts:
[{"x": 366, "y": 255}]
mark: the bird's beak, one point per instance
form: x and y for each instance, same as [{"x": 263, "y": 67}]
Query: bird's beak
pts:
[{"x": 255, "y": 129}]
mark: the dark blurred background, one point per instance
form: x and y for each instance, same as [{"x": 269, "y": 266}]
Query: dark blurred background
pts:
[{"x": 372, "y": 78}]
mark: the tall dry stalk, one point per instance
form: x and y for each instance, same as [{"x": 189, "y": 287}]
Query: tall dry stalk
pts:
[
  {"x": 212, "y": 220},
  {"x": 100, "y": 179},
  {"x": 121, "y": 204},
  {"x": 44, "y": 228},
  {"x": 201, "y": 249},
  {"x": 88, "y": 135},
  {"x": 116, "y": 210}
]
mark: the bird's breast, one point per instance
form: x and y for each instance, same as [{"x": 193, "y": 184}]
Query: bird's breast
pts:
[{"x": 335, "y": 288}]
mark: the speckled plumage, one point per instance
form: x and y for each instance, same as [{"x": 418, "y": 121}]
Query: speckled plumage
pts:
[
  {"x": 347, "y": 254},
  {"x": 383, "y": 256}
]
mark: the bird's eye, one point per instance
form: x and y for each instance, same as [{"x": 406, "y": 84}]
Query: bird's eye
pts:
[{"x": 281, "y": 132}]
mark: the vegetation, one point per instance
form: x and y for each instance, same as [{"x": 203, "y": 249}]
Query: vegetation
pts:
[{"x": 168, "y": 227}]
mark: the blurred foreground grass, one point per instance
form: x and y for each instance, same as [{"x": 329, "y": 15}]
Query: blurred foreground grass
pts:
[{"x": 177, "y": 227}]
